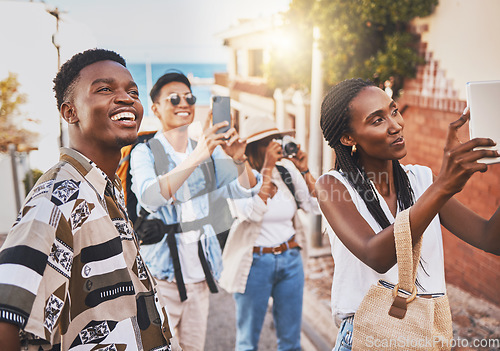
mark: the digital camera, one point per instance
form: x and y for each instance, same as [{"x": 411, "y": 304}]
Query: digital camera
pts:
[{"x": 289, "y": 146}]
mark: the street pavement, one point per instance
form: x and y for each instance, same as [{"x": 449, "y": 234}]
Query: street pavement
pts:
[
  {"x": 221, "y": 329},
  {"x": 317, "y": 325},
  {"x": 474, "y": 319}
]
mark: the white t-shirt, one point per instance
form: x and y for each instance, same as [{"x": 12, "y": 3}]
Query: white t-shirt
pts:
[
  {"x": 352, "y": 278},
  {"x": 277, "y": 226},
  {"x": 192, "y": 271}
]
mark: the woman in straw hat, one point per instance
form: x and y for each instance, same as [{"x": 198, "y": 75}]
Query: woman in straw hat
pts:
[
  {"x": 262, "y": 256},
  {"x": 361, "y": 197}
]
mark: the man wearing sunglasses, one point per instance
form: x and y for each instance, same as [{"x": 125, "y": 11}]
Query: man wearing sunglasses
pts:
[{"x": 178, "y": 185}]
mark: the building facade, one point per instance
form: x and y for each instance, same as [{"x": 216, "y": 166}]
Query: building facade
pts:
[{"x": 459, "y": 44}]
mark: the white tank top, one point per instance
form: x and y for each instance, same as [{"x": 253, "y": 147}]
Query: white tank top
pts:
[{"x": 352, "y": 278}]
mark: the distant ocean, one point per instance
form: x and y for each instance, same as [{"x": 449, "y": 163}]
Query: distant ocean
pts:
[{"x": 197, "y": 70}]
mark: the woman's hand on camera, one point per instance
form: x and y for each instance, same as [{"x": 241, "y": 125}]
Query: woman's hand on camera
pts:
[
  {"x": 274, "y": 153},
  {"x": 300, "y": 160},
  {"x": 460, "y": 159}
]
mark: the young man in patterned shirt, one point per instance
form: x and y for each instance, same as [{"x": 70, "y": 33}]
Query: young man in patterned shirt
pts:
[{"x": 71, "y": 276}]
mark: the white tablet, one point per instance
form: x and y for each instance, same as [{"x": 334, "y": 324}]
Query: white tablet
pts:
[{"x": 483, "y": 99}]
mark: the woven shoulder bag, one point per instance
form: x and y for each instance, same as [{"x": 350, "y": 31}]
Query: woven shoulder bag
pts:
[{"x": 394, "y": 317}]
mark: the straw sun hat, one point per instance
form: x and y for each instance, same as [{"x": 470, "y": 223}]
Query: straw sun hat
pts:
[{"x": 257, "y": 128}]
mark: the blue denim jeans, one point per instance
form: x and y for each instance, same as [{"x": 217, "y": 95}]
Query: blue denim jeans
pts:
[
  {"x": 282, "y": 278},
  {"x": 344, "y": 337}
]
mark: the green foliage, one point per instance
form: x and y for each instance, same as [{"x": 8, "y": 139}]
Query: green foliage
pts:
[
  {"x": 290, "y": 65},
  {"x": 10, "y": 99},
  {"x": 30, "y": 181},
  {"x": 359, "y": 38}
]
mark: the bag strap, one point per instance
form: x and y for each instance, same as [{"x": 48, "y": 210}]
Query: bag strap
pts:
[
  {"x": 159, "y": 155},
  {"x": 161, "y": 163},
  {"x": 407, "y": 256},
  {"x": 208, "y": 169},
  {"x": 287, "y": 179}
]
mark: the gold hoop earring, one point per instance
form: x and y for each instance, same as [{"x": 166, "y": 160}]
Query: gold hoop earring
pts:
[{"x": 353, "y": 150}]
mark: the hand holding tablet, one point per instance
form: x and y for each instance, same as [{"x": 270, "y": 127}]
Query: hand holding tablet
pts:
[{"x": 483, "y": 100}]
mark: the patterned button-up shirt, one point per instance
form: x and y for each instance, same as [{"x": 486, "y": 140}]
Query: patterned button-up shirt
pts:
[{"x": 70, "y": 269}]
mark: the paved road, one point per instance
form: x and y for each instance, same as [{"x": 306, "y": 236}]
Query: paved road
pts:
[{"x": 221, "y": 330}]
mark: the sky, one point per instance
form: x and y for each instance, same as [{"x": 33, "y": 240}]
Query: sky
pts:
[{"x": 163, "y": 30}]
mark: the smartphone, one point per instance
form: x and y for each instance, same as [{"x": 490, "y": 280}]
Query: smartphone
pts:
[
  {"x": 483, "y": 99},
  {"x": 221, "y": 111}
]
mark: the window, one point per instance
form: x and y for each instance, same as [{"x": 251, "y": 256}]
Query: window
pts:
[{"x": 255, "y": 64}]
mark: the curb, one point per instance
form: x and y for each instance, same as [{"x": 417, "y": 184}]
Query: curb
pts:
[
  {"x": 317, "y": 324},
  {"x": 312, "y": 340}
]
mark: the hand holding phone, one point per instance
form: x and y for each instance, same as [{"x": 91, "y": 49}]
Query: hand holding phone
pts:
[{"x": 221, "y": 111}]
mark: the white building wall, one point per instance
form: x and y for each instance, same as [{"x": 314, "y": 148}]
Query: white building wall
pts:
[{"x": 463, "y": 36}]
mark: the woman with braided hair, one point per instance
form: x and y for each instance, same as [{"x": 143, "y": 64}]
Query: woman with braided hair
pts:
[{"x": 368, "y": 187}]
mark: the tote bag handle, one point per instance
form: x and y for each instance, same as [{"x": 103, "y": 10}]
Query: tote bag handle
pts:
[{"x": 408, "y": 258}]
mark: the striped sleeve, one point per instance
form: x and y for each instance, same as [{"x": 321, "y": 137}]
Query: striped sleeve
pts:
[{"x": 23, "y": 260}]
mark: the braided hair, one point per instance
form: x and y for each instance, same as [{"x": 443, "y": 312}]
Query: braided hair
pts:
[{"x": 335, "y": 122}]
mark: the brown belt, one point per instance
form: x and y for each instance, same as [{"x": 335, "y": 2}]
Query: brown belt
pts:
[{"x": 290, "y": 244}]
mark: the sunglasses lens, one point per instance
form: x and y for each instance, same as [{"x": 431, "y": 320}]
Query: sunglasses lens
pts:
[
  {"x": 191, "y": 99},
  {"x": 175, "y": 99}
]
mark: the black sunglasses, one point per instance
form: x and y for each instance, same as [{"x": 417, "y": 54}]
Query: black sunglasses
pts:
[{"x": 175, "y": 99}]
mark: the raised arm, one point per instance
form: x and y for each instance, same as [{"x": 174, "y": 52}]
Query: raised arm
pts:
[
  {"x": 209, "y": 140},
  {"x": 472, "y": 228},
  {"x": 378, "y": 250},
  {"x": 458, "y": 219},
  {"x": 235, "y": 148},
  {"x": 273, "y": 155}
]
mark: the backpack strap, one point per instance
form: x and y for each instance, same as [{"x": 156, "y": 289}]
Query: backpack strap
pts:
[
  {"x": 160, "y": 156},
  {"x": 208, "y": 169},
  {"x": 161, "y": 164},
  {"x": 126, "y": 176},
  {"x": 287, "y": 179}
]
